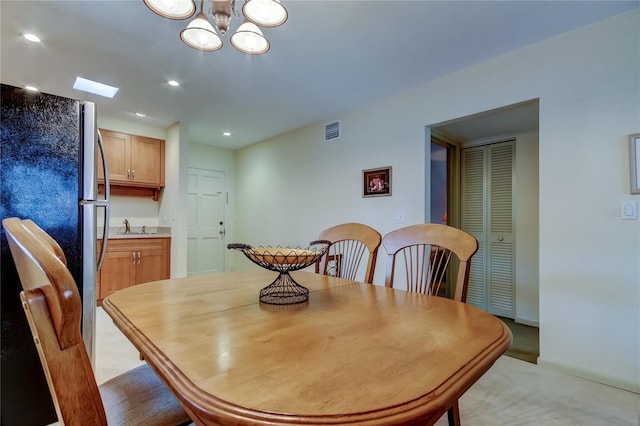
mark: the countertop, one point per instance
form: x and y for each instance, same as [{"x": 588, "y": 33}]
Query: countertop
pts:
[{"x": 117, "y": 232}]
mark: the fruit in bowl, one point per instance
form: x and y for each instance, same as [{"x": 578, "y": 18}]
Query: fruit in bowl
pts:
[{"x": 277, "y": 255}]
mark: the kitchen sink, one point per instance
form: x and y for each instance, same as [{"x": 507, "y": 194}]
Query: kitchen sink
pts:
[{"x": 138, "y": 231}]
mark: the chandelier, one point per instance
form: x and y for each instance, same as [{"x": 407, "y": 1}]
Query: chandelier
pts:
[{"x": 201, "y": 35}]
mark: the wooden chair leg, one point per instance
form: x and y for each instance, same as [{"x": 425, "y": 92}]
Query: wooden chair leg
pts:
[{"x": 453, "y": 414}]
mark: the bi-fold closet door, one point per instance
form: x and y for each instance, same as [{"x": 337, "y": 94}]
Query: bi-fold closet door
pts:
[{"x": 487, "y": 214}]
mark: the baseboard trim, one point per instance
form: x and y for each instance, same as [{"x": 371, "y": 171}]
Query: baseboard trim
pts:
[
  {"x": 527, "y": 322},
  {"x": 589, "y": 375}
]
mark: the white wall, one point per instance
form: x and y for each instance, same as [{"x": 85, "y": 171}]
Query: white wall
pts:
[
  {"x": 292, "y": 186},
  {"x": 174, "y": 196},
  {"x": 131, "y": 127},
  {"x": 526, "y": 229},
  {"x": 589, "y": 277}
]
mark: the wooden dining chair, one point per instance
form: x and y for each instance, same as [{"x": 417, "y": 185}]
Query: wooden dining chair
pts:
[
  {"x": 427, "y": 251},
  {"x": 349, "y": 244},
  {"x": 53, "y": 308}
]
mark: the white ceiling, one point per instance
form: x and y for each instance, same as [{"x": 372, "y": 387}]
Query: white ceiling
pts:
[{"x": 329, "y": 57}]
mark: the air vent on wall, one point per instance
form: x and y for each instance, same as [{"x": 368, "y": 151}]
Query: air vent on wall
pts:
[{"x": 332, "y": 131}]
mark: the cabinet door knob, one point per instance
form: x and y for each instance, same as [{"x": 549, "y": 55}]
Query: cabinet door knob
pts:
[
  {"x": 138, "y": 258},
  {"x": 133, "y": 260}
]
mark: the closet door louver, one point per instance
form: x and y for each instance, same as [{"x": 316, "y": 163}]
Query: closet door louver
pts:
[
  {"x": 501, "y": 257},
  {"x": 474, "y": 220},
  {"x": 487, "y": 214}
]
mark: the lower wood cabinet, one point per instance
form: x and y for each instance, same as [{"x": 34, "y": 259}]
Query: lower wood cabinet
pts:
[{"x": 131, "y": 261}]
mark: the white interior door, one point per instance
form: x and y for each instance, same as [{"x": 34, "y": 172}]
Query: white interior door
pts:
[
  {"x": 487, "y": 214},
  {"x": 206, "y": 226}
]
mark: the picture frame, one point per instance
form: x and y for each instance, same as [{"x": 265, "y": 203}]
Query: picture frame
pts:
[
  {"x": 634, "y": 166},
  {"x": 376, "y": 182}
]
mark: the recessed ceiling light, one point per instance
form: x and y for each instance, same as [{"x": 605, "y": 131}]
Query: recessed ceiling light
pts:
[
  {"x": 139, "y": 114},
  {"x": 226, "y": 133},
  {"x": 95, "y": 87},
  {"x": 31, "y": 88},
  {"x": 173, "y": 83},
  {"x": 32, "y": 37}
]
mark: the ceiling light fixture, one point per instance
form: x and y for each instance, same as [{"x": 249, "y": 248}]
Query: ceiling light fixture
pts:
[
  {"x": 201, "y": 35},
  {"x": 173, "y": 83}
]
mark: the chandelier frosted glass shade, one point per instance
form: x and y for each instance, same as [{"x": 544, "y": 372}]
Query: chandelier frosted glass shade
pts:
[
  {"x": 249, "y": 39},
  {"x": 201, "y": 35},
  {"x": 266, "y": 13},
  {"x": 172, "y": 9}
]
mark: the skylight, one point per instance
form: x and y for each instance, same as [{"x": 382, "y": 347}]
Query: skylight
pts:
[
  {"x": 95, "y": 87},
  {"x": 32, "y": 38}
]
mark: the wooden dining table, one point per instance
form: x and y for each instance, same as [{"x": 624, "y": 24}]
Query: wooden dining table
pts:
[{"x": 354, "y": 353}]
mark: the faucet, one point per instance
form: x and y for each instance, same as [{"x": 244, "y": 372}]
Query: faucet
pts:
[
  {"x": 144, "y": 229},
  {"x": 127, "y": 228}
]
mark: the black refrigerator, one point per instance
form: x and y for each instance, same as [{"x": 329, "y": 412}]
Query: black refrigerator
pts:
[{"x": 49, "y": 149}]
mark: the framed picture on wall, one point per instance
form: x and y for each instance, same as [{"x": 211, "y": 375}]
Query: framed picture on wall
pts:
[{"x": 376, "y": 182}]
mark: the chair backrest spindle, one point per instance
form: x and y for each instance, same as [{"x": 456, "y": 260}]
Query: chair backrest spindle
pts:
[
  {"x": 427, "y": 252},
  {"x": 349, "y": 244}
]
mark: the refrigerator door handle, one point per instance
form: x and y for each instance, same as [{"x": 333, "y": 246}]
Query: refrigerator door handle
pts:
[
  {"x": 105, "y": 167},
  {"x": 105, "y": 234},
  {"x": 107, "y": 199}
]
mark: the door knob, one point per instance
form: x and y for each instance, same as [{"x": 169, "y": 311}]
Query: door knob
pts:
[{"x": 500, "y": 238}]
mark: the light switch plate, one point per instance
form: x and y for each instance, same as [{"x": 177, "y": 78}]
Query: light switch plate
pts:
[
  {"x": 629, "y": 210},
  {"x": 399, "y": 216}
]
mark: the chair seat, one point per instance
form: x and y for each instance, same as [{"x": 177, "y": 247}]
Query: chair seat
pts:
[{"x": 138, "y": 397}]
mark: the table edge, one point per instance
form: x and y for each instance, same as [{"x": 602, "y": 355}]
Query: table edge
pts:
[{"x": 426, "y": 409}]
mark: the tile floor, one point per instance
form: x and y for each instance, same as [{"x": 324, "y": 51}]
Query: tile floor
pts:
[{"x": 512, "y": 392}]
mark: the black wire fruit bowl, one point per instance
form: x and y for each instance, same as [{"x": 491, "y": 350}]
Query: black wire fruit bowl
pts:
[{"x": 284, "y": 290}]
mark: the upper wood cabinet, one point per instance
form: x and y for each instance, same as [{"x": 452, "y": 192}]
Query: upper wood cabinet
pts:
[{"x": 135, "y": 162}]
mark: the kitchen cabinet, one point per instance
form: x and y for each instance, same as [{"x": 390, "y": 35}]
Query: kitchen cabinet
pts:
[
  {"x": 132, "y": 261},
  {"x": 136, "y": 164}
]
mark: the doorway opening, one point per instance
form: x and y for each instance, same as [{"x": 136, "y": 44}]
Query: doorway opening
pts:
[
  {"x": 439, "y": 181},
  {"x": 449, "y": 141}
]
